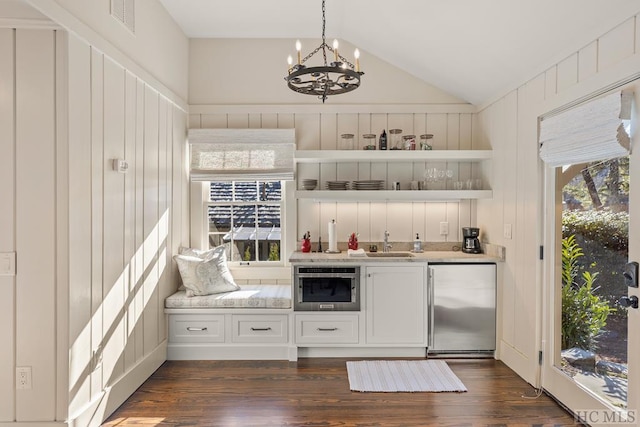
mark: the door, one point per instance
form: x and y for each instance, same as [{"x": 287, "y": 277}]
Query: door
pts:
[
  {"x": 590, "y": 210},
  {"x": 395, "y": 305}
]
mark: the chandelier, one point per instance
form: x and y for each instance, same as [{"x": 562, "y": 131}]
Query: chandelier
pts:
[{"x": 339, "y": 76}]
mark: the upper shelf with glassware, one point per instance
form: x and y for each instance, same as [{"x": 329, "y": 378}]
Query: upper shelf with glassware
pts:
[{"x": 342, "y": 156}]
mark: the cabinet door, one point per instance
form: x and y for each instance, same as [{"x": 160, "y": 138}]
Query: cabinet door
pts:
[{"x": 395, "y": 305}]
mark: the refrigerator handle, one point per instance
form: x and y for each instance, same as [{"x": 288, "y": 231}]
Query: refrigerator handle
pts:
[{"x": 430, "y": 305}]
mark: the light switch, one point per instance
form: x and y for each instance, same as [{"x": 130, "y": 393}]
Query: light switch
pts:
[
  {"x": 7, "y": 263},
  {"x": 444, "y": 228},
  {"x": 508, "y": 234}
]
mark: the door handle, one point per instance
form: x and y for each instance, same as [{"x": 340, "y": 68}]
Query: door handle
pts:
[
  {"x": 631, "y": 301},
  {"x": 630, "y": 274}
]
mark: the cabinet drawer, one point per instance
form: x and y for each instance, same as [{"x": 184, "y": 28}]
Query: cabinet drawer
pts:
[
  {"x": 194, "y": 328},
  {"x": 260, "y": 329},
  {"x": 331, "y": 329}
]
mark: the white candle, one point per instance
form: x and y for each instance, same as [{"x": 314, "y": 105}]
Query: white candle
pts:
[
  {"x": 335, "y": 49},
  {"x": 299, "y": 49}
]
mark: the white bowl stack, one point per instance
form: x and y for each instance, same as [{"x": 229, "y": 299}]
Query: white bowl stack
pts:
[{"x": 309, "y": 184}]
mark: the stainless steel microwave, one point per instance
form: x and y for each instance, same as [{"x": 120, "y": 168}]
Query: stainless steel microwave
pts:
[{"x": 325, "y": 288}]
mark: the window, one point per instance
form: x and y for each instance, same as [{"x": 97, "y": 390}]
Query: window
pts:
[{"x": 246, "y": 217}]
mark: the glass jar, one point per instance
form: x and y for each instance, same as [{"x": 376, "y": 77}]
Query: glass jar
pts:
[
  {"x": 369, "y": 141},
  {"x": 395, "y": 139},
  {"x": 425, "y": 143},
  {"x": 346, "y": 142},
  {"x": 409, "y": 142}
]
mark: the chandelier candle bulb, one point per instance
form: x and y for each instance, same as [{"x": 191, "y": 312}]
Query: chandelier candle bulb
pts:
[
  {"x": 335, "y": 50},
  {"x": 299, "y": 49},
  {"x": 290, "y": 63},
  {"x": 356, "y": 54}
]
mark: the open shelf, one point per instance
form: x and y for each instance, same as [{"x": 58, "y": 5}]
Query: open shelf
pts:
[
  {"x": 386, "y": 195},
  {"x": 341, "y": 156}
]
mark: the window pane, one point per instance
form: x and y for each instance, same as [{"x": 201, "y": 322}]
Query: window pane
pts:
[
  {"x": 244, "y": 216},
  {"x": 219, "y": 218},
  {"x": 245, "y": 191},
  {"x": 220, "y": 192},
  {"x": 268, "y": 216},
  {"x": 271, "y": 191}
]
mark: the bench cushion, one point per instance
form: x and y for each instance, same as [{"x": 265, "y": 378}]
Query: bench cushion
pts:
[{"x": 249, "y": 296}]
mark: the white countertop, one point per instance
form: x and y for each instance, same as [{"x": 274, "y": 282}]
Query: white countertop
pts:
[{"x": 426, "y": 256}]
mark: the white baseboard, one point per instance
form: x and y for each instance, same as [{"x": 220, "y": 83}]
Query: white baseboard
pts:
[
  {"x": 362, "y": 352},
  {"x": 228, "y": 352},
  {"x": 115, "y": 395},
  {"x": 33, "y": 424}
]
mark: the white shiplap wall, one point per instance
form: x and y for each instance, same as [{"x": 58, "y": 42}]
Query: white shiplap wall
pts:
[
  {"x": 85, "y": 308},
  {"x": 510, "y": 123},
  {"x": 320, "y": 129}
]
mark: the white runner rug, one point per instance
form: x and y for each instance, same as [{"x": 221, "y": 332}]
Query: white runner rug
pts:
[{"x": 402, "y": 376}]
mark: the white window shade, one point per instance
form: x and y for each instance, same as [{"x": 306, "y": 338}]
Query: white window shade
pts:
[
  {"x": 589, "y": 132},
  {"x": 242, "y": 154}
]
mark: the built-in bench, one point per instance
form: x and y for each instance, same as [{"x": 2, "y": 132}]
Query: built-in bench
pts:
[
  {"x": 250, "y": 323},
  {"x": 249, "y": 296}
]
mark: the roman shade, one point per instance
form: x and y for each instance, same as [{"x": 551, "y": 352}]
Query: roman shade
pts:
[
  {"x": 242, "y": 154},
  {"x": 589, "y": 132}
]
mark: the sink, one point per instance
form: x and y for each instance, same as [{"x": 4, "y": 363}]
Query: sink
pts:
[{"x": 389, "y": 255}]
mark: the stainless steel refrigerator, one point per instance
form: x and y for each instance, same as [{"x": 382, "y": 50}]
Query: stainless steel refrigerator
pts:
[{"x": 462, "y": 309}]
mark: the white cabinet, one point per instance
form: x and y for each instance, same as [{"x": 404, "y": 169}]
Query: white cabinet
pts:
[
  {"x": 260, "y": 328},
  {"x": 194, "y": 328},
  {"x": 395, "y": 304},
  {"x": 327, "y": 328}
]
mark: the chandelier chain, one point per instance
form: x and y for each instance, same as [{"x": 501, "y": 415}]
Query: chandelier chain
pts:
[{"x": 324, "y": 40}]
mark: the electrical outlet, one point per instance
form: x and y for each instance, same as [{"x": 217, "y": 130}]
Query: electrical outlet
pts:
[
  {"x": 444, "y": 228},
  {"x": 23, "y": 378}
]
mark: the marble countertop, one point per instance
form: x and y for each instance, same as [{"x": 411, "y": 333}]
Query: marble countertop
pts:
[{"x": 426, "y": 256}]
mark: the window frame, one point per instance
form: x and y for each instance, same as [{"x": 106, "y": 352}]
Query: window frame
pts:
[{"x": 199, "y": 202}]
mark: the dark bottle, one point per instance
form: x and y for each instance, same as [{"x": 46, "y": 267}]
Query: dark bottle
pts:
[{"x": 383, "y": 140}]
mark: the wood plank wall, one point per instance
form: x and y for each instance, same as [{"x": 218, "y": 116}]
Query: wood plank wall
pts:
[
  {"x": 321, "y": 130},
  {"x": 511, "y": 125},
  {"x": 94, "y": 245}
]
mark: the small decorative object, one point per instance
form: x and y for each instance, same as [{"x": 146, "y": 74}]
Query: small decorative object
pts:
[
  {"x": 347, "y": 141},
  {"x": 369, "y": 141},
  {"x": 425, "y": 144},
  {"x": 353, "y": 241},
  {"x": 306, "y": 242},
  {"x": 395, "y": 139},
  {"x": 409, "y": 142}
]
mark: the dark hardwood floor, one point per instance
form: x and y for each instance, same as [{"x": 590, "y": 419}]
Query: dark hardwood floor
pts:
[{"x": 315, "y": 392}]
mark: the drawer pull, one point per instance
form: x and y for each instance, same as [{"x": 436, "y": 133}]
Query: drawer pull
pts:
[
  {"x": 192, "y": 329},
  {"x": 260, "y": 329},
  {"x": 327, "y": 329}
]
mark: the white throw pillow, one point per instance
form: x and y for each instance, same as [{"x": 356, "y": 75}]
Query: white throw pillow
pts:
[{"x": 206, "y": 276}]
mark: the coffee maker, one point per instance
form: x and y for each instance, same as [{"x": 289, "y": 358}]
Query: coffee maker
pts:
[{"x": 470, "y": 241}]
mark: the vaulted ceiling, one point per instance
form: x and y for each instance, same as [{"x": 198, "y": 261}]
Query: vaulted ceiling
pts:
[{"x": 473, "y": 49}]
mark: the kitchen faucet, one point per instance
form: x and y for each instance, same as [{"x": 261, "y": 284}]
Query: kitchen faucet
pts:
[{"x": 386, "y": 246}]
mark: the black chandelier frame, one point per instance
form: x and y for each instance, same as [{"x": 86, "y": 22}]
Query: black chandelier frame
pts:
[{"x": 337, "y": 77}]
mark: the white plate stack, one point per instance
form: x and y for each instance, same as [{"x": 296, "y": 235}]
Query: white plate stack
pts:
[
  {"x": 337, "y": 185},
  {"x": 373, "y": 184}
]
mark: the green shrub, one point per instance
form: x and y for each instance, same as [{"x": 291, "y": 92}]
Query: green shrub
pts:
[
  {"x": 584, "y": 314},
  {"x": 610, "y": 229}
]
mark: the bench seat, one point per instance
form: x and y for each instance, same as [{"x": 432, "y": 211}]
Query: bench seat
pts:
[{"x": 249, "y": 296}]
